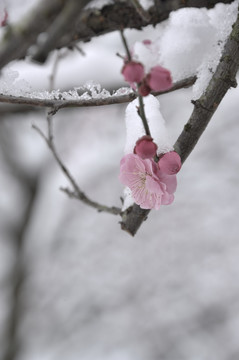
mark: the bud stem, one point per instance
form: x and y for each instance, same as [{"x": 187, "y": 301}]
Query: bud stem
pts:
[{"x": 141, "y": 113}]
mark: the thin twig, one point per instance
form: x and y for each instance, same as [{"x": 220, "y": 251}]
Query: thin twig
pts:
[
  {"x": 79, "y": 49},
  {"x": 141, "y": 113},
  {"x": 140, "y": 10},
  {"x": 77, "y": 193},
  {"x": 125, "y": 45},
  {"x": 54, "y": 70},
  {"x": 111, "y": 100}
]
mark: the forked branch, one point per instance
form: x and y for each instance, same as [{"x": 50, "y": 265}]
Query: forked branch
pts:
[
  {"x": 204, "y": 108},
  {"x": 76, "y": 193}
]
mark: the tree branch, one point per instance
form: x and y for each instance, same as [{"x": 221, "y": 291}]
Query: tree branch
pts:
[
  {"x": 65, "y": 25},
  {"x": 77, "y": 193},
  {"x": 113, "y": 99},
  {"x": 122, "y": 14},
  {"x": 204, "y": 108},
  {"x": 18, "y": 275}
]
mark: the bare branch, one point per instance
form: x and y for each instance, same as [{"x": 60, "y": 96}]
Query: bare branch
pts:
[
  {"x": 140, "y": 10},
  {"x": 53, "y": 18},
  {"x": 204, "y": 108},
  {"x": 77, "y": 193},
  {"x": 65, "y": 24},
  {"x": 117, "y": 16},
  {"x": 113, "y": 99}
]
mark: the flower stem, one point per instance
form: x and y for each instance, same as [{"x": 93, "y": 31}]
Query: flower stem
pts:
[
  {"x": 141, "y": 111},
  {"x": 142, "y": 115},
  {"x": 125, "y": 45}
]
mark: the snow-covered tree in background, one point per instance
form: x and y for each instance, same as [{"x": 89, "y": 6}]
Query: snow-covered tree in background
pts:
[{"x": 179, "y": 44}]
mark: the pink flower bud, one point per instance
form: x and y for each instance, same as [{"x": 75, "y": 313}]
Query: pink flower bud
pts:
[
  {"x": 170, "y": 163},
  {"x": 133, "y": 72},
  {"x": 145, "y": 147},
  {"x": 147, "y": 42},
  {"x": 159, "y": 79}
]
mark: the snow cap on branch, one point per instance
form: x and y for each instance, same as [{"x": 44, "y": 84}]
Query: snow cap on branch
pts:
[{"x": 135, "y": 129}]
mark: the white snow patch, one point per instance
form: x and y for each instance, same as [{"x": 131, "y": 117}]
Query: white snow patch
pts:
[
  {"x": 127, "y": 199},
  {"x": 11, "y": 85},
  {"x": 135, "y": 129},
  {"x": 187, "y": 38},
  {"x": 193, "y": 41},
  {"x": 148, "y": 54},
  {"x": 146, "y": 4},
  {"x": 222, "y": 17},
  {"x": 98, "y": 4}
]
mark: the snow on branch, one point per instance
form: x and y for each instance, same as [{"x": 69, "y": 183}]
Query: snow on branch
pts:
[
  {"x": 204, "y": 108},
  {"x": 55, "y": 24},
  {"x": 57, "y": 100}
]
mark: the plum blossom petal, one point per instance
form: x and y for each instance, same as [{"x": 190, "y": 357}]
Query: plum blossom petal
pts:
[
  {"x": 150, "y": 187},
  {"x": 169, "y": 180},
  {"x": 170, "y": 163},
  {"x": 167, "y": 199}
]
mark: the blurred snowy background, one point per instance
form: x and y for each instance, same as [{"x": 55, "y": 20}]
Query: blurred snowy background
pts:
[{"x": 87, "y": 289}]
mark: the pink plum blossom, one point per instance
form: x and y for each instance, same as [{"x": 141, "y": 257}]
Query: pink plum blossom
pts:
[
  {"x": 159, "y": 79},
  {"x": 145, "y": 147},
  {"x": 133, "y": 72},
  {"x": 170, "y": 163},
  {"x": 150, "y": 187}
]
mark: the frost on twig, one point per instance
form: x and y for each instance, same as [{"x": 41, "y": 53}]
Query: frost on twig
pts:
[
  {"x": 88, "y": 95},
  {"x": 204, "y": 108},
  {"x": 76, "y": 193}
]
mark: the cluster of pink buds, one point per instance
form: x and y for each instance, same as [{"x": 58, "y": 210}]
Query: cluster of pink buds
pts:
[
  {"x": 158, "y": 78},
  {"x": 169, "y": 163}
]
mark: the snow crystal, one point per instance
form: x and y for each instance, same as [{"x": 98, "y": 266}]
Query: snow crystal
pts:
[
  {"x": 135, "y": 129},
  {"x": 11, "y": 85},
  {"x": 123, "y": 91},
  {"x": 93, "y": 89}
]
